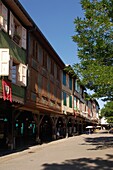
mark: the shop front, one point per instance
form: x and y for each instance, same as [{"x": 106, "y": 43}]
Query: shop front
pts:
[
  {"x": 45, "y": 133},
  {"x": 5, "y": 123},
  {"x": 24, "y": 129}
]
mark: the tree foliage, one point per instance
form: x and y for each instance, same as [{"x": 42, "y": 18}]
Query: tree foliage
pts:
[
  {"x": 107, "y": 111},
  {"x": 94, "y": 37}
]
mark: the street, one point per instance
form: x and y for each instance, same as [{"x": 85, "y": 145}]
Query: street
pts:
[{"x": 84, "y": 152}]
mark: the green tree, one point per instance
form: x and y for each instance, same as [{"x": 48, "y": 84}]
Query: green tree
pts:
[
  {"x": 107, "y": 111},
  {"x": 94, "y": 37}
]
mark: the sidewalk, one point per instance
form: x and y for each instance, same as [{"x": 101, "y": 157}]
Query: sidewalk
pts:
[
  {"x": 28, "y": 149},
  {"x": 83, "y": 152}
]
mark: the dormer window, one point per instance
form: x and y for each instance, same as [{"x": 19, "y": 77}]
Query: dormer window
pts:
[
  {"x": 3, "y": 17},
  {"x": 17, "y": 31}
]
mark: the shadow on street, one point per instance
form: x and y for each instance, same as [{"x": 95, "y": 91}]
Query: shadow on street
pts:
[
  {"x": 99, "y": 142},
  {"x": 82, "y": 164}
]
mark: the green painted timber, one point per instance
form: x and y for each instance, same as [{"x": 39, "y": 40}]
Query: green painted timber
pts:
[
  {"x": 18, "y": 91},
  {"x": 14, "y": 50}
]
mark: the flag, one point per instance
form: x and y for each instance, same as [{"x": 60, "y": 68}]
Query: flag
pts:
[{"x": 7, "y": 90}]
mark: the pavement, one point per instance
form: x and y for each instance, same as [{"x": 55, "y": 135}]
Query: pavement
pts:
[
  {"x": 10, "y": 154},
  {"x": 83, "y": 152}
]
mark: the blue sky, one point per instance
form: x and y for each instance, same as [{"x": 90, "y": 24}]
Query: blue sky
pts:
[{"x": 55, "y": 19}]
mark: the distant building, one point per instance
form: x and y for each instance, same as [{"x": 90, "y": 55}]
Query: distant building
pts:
[{"x": 104, "y": 123}]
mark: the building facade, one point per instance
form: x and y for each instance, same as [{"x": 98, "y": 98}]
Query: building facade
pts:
[{"x": 39, "y": 101}]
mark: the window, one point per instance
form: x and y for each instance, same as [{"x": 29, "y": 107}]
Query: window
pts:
[
  {"x": 17, "y": 31},
  {"x": 64, "y": 78},
  {"x": 14, "y": 74},
  {"x": 70, "y": 101},
  {"x": 59, "y": 95},
  {"x": 52, "y": 67},
  {"x": 40, "y": 55},
  {"x": 3, "y": 17},
  {"x": 39, "y": 83},
  {"x": 35, "y": 49},
  {"x": 49, "y": 64},
  {"x": 64, "y": 99},
  {"x": 45, "y": 59},
  {"x": 18, "y": 73},
  {"x": 55, "y": 70},
  {"x": 58, "y": 73},
  {"x": 48, "y": 88},
  {"x": 78, "y": 104},
  {"x": 75, "y": 103},
  {"x": 70, "y": 83},
  {"x": 77, "y": 86},
  {"x": 24, "y": 37}
]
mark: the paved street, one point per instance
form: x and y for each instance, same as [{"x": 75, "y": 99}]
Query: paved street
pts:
[{"x": 84, "y": 152}]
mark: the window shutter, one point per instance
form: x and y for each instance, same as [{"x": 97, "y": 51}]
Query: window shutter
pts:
[
  {"x": 18, "y": 74},
  {"x": 10, "y": 69},
  {"x": 23, "y": 37},
  {"x": 1, "y": 17},
  {"x": 1, "y": 21},
  {"x": 22, "y": 74},
  {"x": 4, "y": 62},
  {"x": 5, "y": 17},
  {"x": 11, "y": 25}
]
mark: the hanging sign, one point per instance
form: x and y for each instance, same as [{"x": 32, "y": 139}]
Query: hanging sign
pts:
[{"x": 7, "y": 91}]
